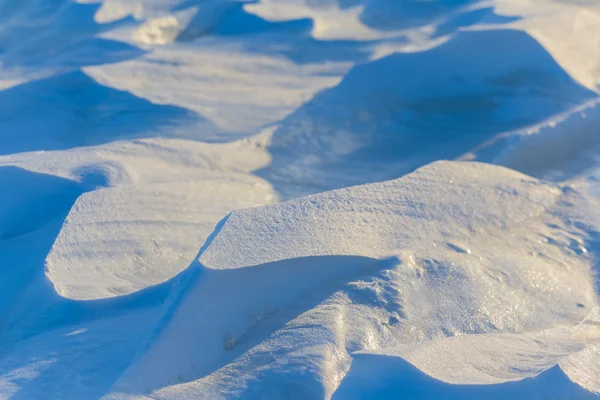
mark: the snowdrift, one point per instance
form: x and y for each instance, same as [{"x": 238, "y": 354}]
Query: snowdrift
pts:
[
  {"x": 135, "y": 132},
  {"x": 472, "y": 274}
]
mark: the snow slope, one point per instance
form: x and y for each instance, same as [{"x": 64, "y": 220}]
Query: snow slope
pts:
[{"x": 296, "y": 143}]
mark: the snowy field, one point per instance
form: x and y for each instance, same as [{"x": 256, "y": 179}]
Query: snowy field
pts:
[{"x": 300, "y": 199}]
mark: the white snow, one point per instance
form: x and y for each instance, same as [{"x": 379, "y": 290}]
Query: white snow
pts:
[
  {"x": 360, "y": 271},
  {"x": 231, "y": 199},
  {"x": 119, "y": 240}
]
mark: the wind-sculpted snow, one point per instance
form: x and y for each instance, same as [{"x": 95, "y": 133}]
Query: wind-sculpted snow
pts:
[
  {"x": 559, "y": 148},
  {"x": 106, "y": 248},
  {"x": 130, "y": 128},
  {"x": 284, "y": 295},
  {"x": 40, "y": 37},
  {"x": 73, "y": 110},
  {"x": 392, "y": 115}
]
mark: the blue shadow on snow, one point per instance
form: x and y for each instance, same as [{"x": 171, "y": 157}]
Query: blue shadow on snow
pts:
[{"x": 393, "y": 115}]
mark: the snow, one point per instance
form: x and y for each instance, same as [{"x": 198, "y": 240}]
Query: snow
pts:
[
  {"x": 362, "y": 249},
  {"x": 119, "y": 240},
  {"x": 299, "y": 199}
]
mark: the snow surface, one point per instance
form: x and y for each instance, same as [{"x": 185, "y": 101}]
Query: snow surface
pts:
[{"x": 227, "y": 199}]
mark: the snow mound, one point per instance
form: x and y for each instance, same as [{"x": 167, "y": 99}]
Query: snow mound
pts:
[
  {"x": 284, "y": 295},
  {"x": 392, "y": 115},
  {"x": 187, "y": 24},
  {"x": 119, "y": 240}
]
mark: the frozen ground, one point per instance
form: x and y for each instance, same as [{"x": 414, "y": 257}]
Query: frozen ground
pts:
[{"x": 299, "y": 199}]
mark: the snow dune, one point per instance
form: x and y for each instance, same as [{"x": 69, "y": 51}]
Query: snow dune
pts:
[
  {"x": 445, "y": 102},
  {"x": 292, "y": 291},
  {"x": 224, "y": 199}
]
